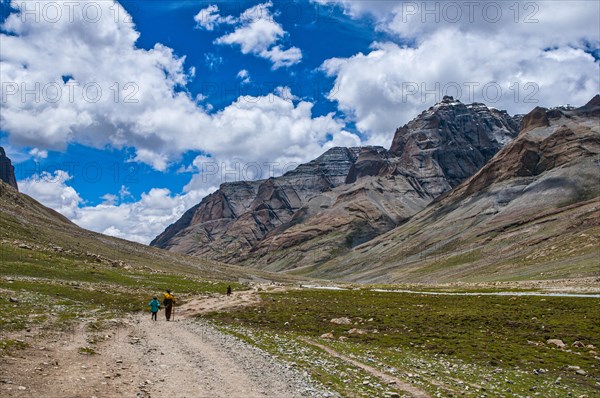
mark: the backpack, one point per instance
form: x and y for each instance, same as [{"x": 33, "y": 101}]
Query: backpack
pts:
[{"x": 168, "y": 300}]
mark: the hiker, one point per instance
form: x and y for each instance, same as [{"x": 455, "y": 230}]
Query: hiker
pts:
[
  {"x": 229, "y": 290},
  {"x": 168, "y": 302},
  {"x": 154, "y": 307}
]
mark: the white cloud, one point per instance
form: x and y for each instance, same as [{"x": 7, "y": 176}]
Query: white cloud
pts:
[
  {"x": 139, "y": 221},
  {"x": 109, "y": 199},
  {"x": 38, "y": 154},
  {"x": 255, "y": 37},
  {"x": 209, "y": 18},
  {"x": 158, "y": 161},
  {"x": 52, "y": 190},
  {"x": 257, "y": 33},
  {"x": 151, "y": 111},
  {"x": 244, "y": 76},
  {"x": 111, "y": 86},
  {"x": 282, "y": 58},
  {"x": 554, "y": 22},
  {"x": 543, "y": 63}
]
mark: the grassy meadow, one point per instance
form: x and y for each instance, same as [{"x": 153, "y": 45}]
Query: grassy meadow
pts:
[{"x": 446, "y": 345}]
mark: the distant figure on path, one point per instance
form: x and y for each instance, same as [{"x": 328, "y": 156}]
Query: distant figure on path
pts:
[
  {"x": 168, "y": 302},
  {"x": 154, "y": 307},
  {"x": 229, "y": 290}
]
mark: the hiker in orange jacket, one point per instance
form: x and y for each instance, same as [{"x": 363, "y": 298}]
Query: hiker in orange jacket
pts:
[{"x": 168, "y": 301}]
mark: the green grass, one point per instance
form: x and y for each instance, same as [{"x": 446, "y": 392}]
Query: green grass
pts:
[
  {"x": 7, "y": 345},
  {"x": 477, "y": 333},
  {"x": 87, "y": 351}
]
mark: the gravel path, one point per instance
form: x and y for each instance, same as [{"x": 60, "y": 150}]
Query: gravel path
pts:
[{"x": 189, "y": 358}]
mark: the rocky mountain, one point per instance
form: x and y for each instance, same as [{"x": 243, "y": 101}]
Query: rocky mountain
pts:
[
  {"x": 345, "y": 197},
  {"x": 532, "y": 212},
  {"x": 7, "y": 170}
]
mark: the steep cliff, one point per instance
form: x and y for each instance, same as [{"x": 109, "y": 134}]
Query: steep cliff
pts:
[{"x": 7, "y": 170}]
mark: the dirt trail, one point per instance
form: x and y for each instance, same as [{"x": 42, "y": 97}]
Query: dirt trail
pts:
[
  {"x": 191, "y": 359},
  {"x": 182, "y": 358}
]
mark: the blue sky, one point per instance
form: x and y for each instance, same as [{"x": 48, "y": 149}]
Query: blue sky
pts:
[{"x": 197, "y": 93}]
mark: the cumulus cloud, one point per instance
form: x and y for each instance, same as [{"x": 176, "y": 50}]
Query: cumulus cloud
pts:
[
  {"x": 139, "y": 221},
  {"x": 257, "y": 33},
  {"x": 38, "y": 154},
  {"x": 52, "y": 190},
  {"x": 209, "y": 18},
  {"x": 282, "y": 58},
  {"x": 510, "y": 55},
  {"x": 244, "y": 76},
  {"x": 87, "y": 82},
  {"x": 97, "y": 88}
]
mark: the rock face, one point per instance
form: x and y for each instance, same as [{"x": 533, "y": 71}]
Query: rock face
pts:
[
  {"x": 532, "y": 212},
  {"x": 345, "y": 197},
  {"x": 229, "y": 222},
  {"x": 7, "y": 171},
  {"x": 451, "y": 141}
]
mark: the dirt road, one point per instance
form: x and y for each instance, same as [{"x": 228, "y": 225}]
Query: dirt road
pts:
[{"x": 144, "y": 358}]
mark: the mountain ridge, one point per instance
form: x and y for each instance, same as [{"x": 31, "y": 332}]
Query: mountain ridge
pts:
[
  {"x": 529, "y": 213},
  {"x": 346, "y": 196}
]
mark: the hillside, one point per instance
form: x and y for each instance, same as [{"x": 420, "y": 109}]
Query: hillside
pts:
[
  {"x": 345, "y": 197},
  {"x": 532, "y": 212},
  {"x": 30, "y": 230}
]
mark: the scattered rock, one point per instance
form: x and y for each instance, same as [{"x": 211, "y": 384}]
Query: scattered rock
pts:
[
  {"x": 341, "y": 321},
  {"x": 327, "y": 336},
  {"x": 13, "y": 300},
  {"x": 557, "y": 342},
  {"x": 356, "y": 331},
  {"x": 578, "y": 344}
]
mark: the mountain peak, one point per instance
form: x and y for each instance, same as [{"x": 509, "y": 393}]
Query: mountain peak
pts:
[
  {"x": 448, "y": 99},
  {"x": 594, "y": 101},
  {"x": 452, "y": 140}
]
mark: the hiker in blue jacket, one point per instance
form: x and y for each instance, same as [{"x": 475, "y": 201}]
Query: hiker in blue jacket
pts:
[{"x": 154, "y": 307}]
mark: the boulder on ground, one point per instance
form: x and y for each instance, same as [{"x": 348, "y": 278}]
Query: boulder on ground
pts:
[
  {"x": 557, "y": 342},
  {"x": 356, "y": 331},
  {"x": 341, "y": 321}
]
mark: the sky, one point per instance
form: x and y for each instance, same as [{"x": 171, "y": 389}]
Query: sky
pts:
[{"x": 122, "y": 115}]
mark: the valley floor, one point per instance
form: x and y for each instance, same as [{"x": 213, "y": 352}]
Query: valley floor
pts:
[
  {"x": 195, "y": 357},
  {"x": 144, "y": 358}
]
